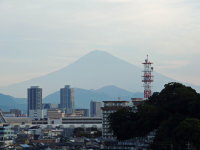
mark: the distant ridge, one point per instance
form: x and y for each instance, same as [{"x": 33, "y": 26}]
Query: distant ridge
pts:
[
  {"x": 92, "y": 71},
  {"x": 83, "y": 96},
  {"x": 8, "y": 102},
  {"x": 114, "y": 91}
]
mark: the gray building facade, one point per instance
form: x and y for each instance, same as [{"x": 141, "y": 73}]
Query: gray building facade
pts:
[
  {"x": 35, "y": 102},
  {"x": 67, "y": 99},
  {"x": 95, "y": 109},
  {"x": 85, "y": 111}
]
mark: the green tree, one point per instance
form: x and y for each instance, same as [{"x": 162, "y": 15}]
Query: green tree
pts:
[
  {"x": 188, "y": 131},
  {"x": 167, "y": 112},
  {"x": 121, "y": 122}
]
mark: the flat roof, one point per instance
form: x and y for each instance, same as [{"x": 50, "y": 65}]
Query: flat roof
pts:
[
  {"x": 116, "y": 101},
  {"x": 18, "y": 119}
]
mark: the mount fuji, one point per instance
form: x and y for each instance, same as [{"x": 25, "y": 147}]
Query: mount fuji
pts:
[{"x": 92, "y": 71}]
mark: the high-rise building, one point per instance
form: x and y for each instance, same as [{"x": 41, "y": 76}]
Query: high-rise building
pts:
[
  {"x": 95, "y": 109},
  {"x": 35, "y": 110},
  {"x": 110, "y": 107},
  {"x": 67, "y": 99}
]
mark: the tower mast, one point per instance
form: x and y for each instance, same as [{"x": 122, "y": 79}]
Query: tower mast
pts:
[{"x": 147, "y": 78}]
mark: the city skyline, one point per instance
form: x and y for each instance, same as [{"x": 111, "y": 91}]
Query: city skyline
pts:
[{"x": 39, "y": 37}]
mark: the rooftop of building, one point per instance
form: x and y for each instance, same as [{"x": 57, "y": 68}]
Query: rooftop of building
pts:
[
  {"x": 34, "y": 87},
  {"x": 137, "y": 99},
  {"x": 82, "y": 118},
  {"x": 18, "y": 119},
  {"x": 113, "y": 107},
  {"x": 115, "y": 101}
]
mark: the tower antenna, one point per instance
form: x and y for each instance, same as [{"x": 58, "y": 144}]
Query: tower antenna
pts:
[{"x": 147, "y": 78}]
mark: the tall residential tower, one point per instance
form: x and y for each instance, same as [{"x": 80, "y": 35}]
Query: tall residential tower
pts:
[
  {"x": 67, "y": 99},
  {"x": 34, "y": 110}
]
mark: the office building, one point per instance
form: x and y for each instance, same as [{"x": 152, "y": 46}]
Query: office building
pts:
[
  {"x": 95, "y": 109},
  {"x": 85, "y": 112},
  {"x": 110, "y": 107},
  {"x": 17, "y": 112},
  {"x": 13, "y": 113},
  {"x": 67, "y": 99},
  {"x": 35, "y": 110},
  {"x": 47, "y": 106},
  {"x": 55, "y": 116}
]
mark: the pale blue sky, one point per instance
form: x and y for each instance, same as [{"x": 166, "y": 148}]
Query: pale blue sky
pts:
[{"x": 41, "y": 36}]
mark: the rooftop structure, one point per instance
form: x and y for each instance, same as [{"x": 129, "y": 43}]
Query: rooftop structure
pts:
[
  {"x": 137, "y": 101},
  {"x": 82, "y": 121},
  {"x": 18, "y": 120}
]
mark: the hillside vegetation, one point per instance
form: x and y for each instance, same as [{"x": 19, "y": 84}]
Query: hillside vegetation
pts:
[{"x": 174, "y": 114}]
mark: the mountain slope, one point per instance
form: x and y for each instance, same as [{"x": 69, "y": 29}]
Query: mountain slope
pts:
[
  {"x": 114, "y": 91},
  {"x": 83, "y": 96},
  {"x": 8, "y": 102},
  {"x": 92, "y": 71}
]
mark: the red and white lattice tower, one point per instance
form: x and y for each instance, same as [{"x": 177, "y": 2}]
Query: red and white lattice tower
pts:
[{"x": 147, "y": 78}]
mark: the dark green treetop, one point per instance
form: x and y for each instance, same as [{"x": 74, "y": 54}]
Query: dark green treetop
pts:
[{"x": 171, "y": 112}]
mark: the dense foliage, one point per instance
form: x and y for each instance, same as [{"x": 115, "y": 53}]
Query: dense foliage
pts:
[{"x": 174, "y": 113}]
